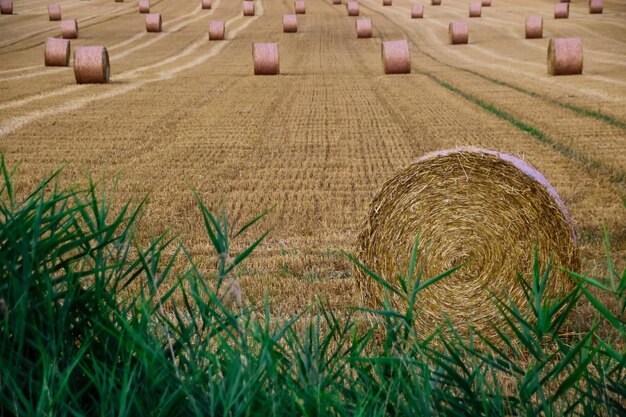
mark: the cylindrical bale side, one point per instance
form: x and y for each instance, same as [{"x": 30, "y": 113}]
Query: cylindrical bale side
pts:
[
  {"x": 396, "y": 58},
  {"x": 6, "y": 6},
  {"x": 248, "y": 8},
  {"x": 435, "y": 2},
  {"x": 206, "y": 4},
  {"x": 57, "y": 53},
  {"x": 387, "y": 2},
  {"x": 336, "y": 2},
  {"x": 363, "y": 28},
  {"x": 299, "y": 7},
  {"x": 475, "y": 9},
  {"x": 290, "y": 23},
  {"x": 596, "y": 6},
  {"x": 54, "y": 12},
  {"x": 217, "y": 29},
  {"x": 417, "y": 11},
  {"x": 561, "y": 10},
  {"x": 91, "y": 65},
  {"x": 486, "y": 3},
  {"x": 265, "y": 56},
  {"x": 534, "y": 27},
  {"x": 353, "y": 8},
  {"x": 154, "y": 23},
  {"x": 482, "y": 211},
  {"x": 144, "y": 6},
  {"x": 69, "y": 29},
  {"x": 565, "y": 56},
  {"x": 458, "y": 33}
]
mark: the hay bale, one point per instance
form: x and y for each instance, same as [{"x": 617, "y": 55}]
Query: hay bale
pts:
[
  {"x": 91, "y": 65},
  {"x": 57, "y": 53},
  {"x": 596, "y": 6},
  {"x": 154, "y": 23},
  {"x": 534, "y": 27},
  {"x": 483, "y": 208},
  {"x": 144, "y": 6},
  {"x": 265, "y": 56},
  {"x": 217, "y": 30},
  {"x": 387, "y": 2},
  {"x": 290, "y": 23},
  {"x": 561, "y": 10},
  {"x": 54, "y": 12},
  {"x": 417, "y": 11},
  {"x": 565, "y": 56},
  {"x": 475, "y": 9},
  {"x": 336, "y": 2},
  {"x": 353, "y": 8},
  {"x": 363, "y": 28},
  {"x": 435, "y": 2},
  {"x": 396, "y": 58},
  {"x": 458, "y": 33},
  {"x": 206, "y": 4},
  {"x": 486, "y": 3},
  {"x": 248, "y": 8},
  {"x": 6, "y": 6},
  {"x": 299, "y": 7},
  {"x": 69, "y": 29}
]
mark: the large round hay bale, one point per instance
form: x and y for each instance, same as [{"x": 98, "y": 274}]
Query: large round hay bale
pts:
[
  {"x": 206, "y": 4},
  {"x": 248, "y": 8},
  {"x": 154, "y": 23},
  {"x": 565, "y": 56},
  {"x": 596, "y": 6},
  {"x": 336, "y": 2},
  {"x": 534, "y": 27},
  {"x": 144, "y": 6},
  {"x": 396, "y": 58},
  {"x": 299, "y": 7},
  {"x": 54, "y": 12},
  {"x": 6, "y": 6},
  {"x": 69, "y": 29},
  {"x": 387, "y": 2},
  {"x": 475, "y": 9},
  {"x": 290, "y": 23},
  {"x": 353, "y": 8},
  {"x": 417, "y": 11},
  {"x": 486, "y": 3},
  {"x": 561, "y": 10},
  {"x": 363, "y": 28},
  {"x": 484, "y": 209},
  {"x": 435, "y": 2},
  {"x": 57, "y": 53},
  {"x": 265, "y": 57},
  {"x": 91, "y": 65},
  {"x": 217, "y": 29},
  {"x": 458, "y": 32}
]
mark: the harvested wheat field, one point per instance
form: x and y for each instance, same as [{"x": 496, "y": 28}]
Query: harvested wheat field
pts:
[{"x": 319, "y": 139}]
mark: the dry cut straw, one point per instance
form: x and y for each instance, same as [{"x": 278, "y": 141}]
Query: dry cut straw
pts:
[{"x": 476, "y": 207}]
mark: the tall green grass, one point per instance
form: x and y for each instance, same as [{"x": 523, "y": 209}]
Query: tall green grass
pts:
[{"x": 93, "y": 324}]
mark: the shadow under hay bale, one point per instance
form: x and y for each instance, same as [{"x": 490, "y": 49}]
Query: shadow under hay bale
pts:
[{"x": 486, "y": 210}]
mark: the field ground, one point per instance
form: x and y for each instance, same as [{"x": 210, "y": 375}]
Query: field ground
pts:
[{"x": 319, "y": 139}]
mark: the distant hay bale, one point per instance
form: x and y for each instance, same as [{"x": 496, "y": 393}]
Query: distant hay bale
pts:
[
  {"x": 69, "y": 29},
  {"x": 57, "y": 53},
  {"x": 596, "y": 6},
  {"x": 353, "y": 8},
  {"x": 248, "y": 8},
  {"x": 290, "y": 23},
  {"x": 435, "y": 2},
  {"x": 6, "y": 6},
  {"x": 217, "y": 30},
  {"x": 54, "y": 12},
  {"x": 144, "y": 6},
  {"x": 91, "y": 65},
  {"x": 486, "y": 3},
  {"x": 565, "y": 56},
  {"x": 534, "y": 27},
  {"x": 265, "y": 56},
  {"x": 561, "y": 10},
  {"x": 417, "y": 11},
  {"x": 396, "y": 58},
  {"x": 206, "y": 4},
  {"x": 363, "y": 28},
  {"x": 299, "y": 7},
  {"x": 336, "y": 2},
  {"x": 475, "y": 9},
  {"x": 387, "y": 2},
  {"x": 458, "y": 33},
  {"x": 486, "y": 209},
  {"x": 154, "y": 23}
]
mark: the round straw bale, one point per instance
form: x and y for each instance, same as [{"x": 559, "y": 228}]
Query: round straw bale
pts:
[
  {"x": 435, "y": 2},
  {"x": 216, "y": 30},
  {"x": 206, "y": 4},
  {"x": 561, "y": 10},
  {"x": 336, "y": 1},
  {"x": 396, "y": 58},
  {"x": 476, "y": 207},
  {"x": 387, "y": 2},
  {"x": 57, "y": 53},
  {"x": 69, "y": 29},
  {"x": 458, "y": 32},
  {"x": 91, "y": 65},
  {"x": 248, "y": 8},
  {"x": 417, "y": 11},
  {"x": 154, "y": 23},
  {"x": 363, "y": 28},
  {"x": 299, "y": 7},
  {"x": 54, "y": 12},
  {"x": 353, "y": 8},
  {"x": 475, "y": 9},
  {"x": 596, "y": 6},
  {"x": 144, "y": 6},
  {"x": 565, "y": 56},
  {"x": 265, "y": 56},
  {"x": 290, "y": 23},
  {"x": 486, "y": 3},
  {"x": 534, "y": 27},
  {"x": 6, "y": 6}
]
